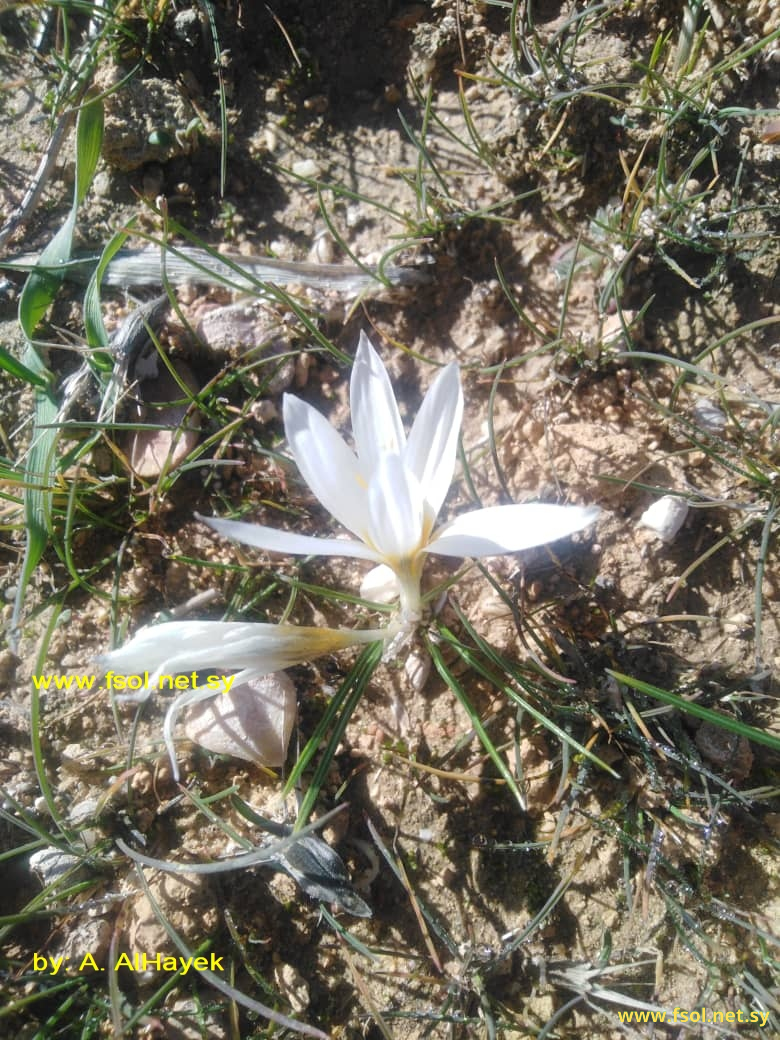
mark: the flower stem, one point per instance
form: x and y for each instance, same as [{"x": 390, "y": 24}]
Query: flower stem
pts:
[{"x": 409, "y": 574}]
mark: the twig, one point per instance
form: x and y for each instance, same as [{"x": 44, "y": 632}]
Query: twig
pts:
[{"x": 32, "y": 196}]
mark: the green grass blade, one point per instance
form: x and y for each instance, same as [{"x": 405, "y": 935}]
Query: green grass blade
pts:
[
  {"x": 476, "y": 722},
  {"x": 223, "y": 120},
  {"x": 89, "y": 139},
  {"x": 93, "y": 317},
  {"x": 506, "y": 668},
  {"x": 44, "y": 281},
  {"x": 335, "y": 719},
  {"x": 217, "y": 981},
  {"x": 39, "y": 291},
  {"x": 758, "y": 736},
  {"x": 16, "y": 368},
  {"x": 38, "y": 474},
  {"x": 35, "y": 731}
]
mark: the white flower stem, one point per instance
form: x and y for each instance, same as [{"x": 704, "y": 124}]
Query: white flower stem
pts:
[{"x": 409, "y": 574}]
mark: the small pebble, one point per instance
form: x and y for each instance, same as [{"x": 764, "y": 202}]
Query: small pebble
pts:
[
  {"x": 306, "y": 168},
  {"x": 50, "y": 864},
  {"x": 665, "y": 516},
  {"x": 708, "y": 416},
  {"x": 729, "y": 751}
]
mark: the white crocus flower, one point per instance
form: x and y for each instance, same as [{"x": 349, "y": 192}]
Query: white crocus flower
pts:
[
  {"x": 389, "y": 491},
  {"x": 233, "y": 652}
]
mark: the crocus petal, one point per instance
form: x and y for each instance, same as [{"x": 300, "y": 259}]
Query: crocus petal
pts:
[
  {"x": 272, "y": 540},
  {"x": 248, "y": 649},
  {"x": 433, "y": 440},
  {"x": 376, "y": 422},
  {"x": 154, "y": 648},
  {"x": 396, "y": 510},
  {"x": 380, "y": 585},
  {"x": 266, "y": 703},
  {"x": 502, "y": 529},
  {"x": 327, "y": 465},
  {"x": 186, "y": 646}
]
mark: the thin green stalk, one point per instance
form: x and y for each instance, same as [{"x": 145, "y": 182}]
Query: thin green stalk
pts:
[
  {"x": 36, "y": 726},
  {"x": 759, "y": 584},
  {"x": 476, "y": 721},
  {"x": 39, "y": 291},
  {"x": 218, "y": 983},
  {"x": 506, "y": 668},
  {"x": 337, "y": 716},
  {"x": 758, "y": 736}
]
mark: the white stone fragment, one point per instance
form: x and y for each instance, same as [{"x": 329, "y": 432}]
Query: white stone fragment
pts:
[
  {"x": 306, "y": 168},
  {"x": 665, "y": 516},
  {"x": 91, "y": 934},
  {"x": 263, "y": 411},
  {"x": 323, "y": 250},
  {"x": 293, "y": 985},
  {"x": 50, "y": 864},
  {"x": 708, "y": 416},
  {"x": 84, "y": 811},
  {"x": 252, "y": 722}
]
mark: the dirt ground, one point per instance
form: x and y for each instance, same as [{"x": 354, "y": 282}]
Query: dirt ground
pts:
[{"x": 519, "y": 208}]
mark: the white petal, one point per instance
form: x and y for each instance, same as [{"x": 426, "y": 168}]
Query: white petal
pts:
[
  {"x": 250, "y": 650},
  {"x": 154, "y": 646},
  {"x": 433, "y": 440},
  {"x": 326, "y": 464},
  {"x": 183, "y": 646},
  {"x": 380, "y": 585},
  {"x": 502, "y": 529},
  {"x": 376, "y": 422},
  {"x": 273, "y": 540},
  {"x": 396, "y": 510}
]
